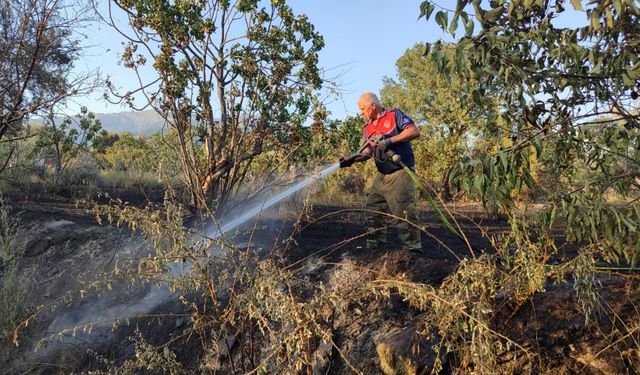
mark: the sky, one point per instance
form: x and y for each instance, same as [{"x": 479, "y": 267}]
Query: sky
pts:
[{"x": 363, "y": 40}]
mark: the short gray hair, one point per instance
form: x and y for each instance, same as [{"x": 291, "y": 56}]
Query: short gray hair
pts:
[{"x": 368, "y": 98}]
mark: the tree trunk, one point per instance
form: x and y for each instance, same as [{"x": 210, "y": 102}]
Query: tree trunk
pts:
[
  {"x": 445, "y": 191},
  {"x": 4, "y": 165}
]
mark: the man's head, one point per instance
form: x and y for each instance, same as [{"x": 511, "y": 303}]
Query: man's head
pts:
[{"x": 369, "y": 106}]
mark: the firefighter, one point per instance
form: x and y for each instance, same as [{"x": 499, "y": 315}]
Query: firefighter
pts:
[{"x": 393, "y": 191}]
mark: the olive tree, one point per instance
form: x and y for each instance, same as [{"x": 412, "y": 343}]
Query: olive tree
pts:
[
  {"x": 231, "y": 78},
  {"x": 568, "y": 96}
]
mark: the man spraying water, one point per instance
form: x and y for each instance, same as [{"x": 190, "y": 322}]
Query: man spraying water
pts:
[{"x": 388, "y": 132}]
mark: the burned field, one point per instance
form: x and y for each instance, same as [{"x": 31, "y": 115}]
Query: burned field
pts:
[
  {"x": 369, "y": 307},
  {"x": 551, "y": 331}
]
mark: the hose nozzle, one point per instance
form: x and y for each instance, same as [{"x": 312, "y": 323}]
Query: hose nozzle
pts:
[{"x": 396, "y": 158}]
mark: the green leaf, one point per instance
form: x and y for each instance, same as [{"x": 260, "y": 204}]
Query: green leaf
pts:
[
  {"x": 461, "y": 58},
  {"x": 616, "y": 214},
  {"x": 539, "y": 147},
  {"x": 479, "y": 183},
  {"x": 577, "y": 5},
  {"x": 427, "y": 49},
  {"x": 454, "y": 26},
  {"x": 460, "y": 64},
  {"x": 609, "y": 18},
  {"x": 595, "y": 21},
  {"x": 633, "y": 228},
  {"x": 430, "y": 9},
  {"x": 423, "y": 9},
  {"x": 528, "y": 179},
  {"x": 571, "y": 215},
  {"x": 503, "y": 160},
  {"x": 465, "y": 17},
  {"x": 552, "y": 216},
  {"x": 628, "y": 82},
  {"x": 493, "y": 15},
  {"x": 469, "y": 28},
  {"x": 617, "y": 5},
  {"x": 442, "y": 19},
  {"x": 426, "y": 8}
]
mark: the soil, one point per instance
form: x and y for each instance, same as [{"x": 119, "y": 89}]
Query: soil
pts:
[
  {"x": 66, "y": 249},
  {"x": 552, "y": 324}
]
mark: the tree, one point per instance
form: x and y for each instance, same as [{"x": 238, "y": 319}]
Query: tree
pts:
[
  {"x": 231, "y": 78},
  {"x": 39, "y": 50},
  {"x": 103, "y": 141},
  {"x": 64, "y": 141},
  {"x": 444, "y": 109},
  {"x": 327, "y": 139},
  {"x": 128, "y": 154},
  {"x": 559, "y": 83}
]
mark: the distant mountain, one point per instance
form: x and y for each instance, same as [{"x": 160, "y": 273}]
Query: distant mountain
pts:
[{"x": 146, "y": 123}]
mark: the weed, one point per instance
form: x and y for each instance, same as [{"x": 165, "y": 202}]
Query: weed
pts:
[
  {"x": 522, "y": 261},
  {"x": 14, "y": 290},
  {"x": 253, "y": 314}
]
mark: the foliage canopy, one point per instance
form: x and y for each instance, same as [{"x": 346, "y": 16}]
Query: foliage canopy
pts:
[
  {"x": 567, "y": 95},
  {"x": 230, "y": 78},
  {"x": 443, "y": 107},
  {"x": 39, "y": 50}
]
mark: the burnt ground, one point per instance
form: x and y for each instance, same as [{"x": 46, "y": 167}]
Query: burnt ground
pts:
[{"x": 551, "y": 326}]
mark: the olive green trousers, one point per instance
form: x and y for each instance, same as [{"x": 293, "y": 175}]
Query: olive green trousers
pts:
[{"x": 393, "y": 194}]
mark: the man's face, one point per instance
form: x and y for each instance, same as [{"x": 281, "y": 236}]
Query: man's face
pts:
[{"x": 368, "y": 111}]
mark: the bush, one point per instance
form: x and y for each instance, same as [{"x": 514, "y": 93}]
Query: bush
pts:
[{"x": 128, "y": 180}]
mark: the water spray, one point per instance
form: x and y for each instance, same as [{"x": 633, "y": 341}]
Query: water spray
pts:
[
  {"x": 214, "y": 231},
  {"x": 100, "y": 315}
]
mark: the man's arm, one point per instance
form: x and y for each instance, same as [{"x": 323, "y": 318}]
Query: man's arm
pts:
[{"x": 409, "y": 133}]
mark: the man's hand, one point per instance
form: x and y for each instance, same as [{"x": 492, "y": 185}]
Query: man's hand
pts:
[
  {"x": 379, "y": 146},
  {"x": 346, "y": 161},
  {"x": 383, "y": 144}
]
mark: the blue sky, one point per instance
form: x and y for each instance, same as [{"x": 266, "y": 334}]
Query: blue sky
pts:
[{"x": 363, "y": 40}]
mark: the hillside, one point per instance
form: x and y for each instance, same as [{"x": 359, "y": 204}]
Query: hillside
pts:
[{"x": 145, "y": 122}]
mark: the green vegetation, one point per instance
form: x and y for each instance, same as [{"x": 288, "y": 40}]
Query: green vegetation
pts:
[
  {"x": 517, "y": 110},
  {"x": 39, "y": 48},
  {"x": 254, "y": 64},
  {"x": 566, "y": 97},
  {"x": 62, "y": 143},
  {"x": 444, "y": 108}
]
